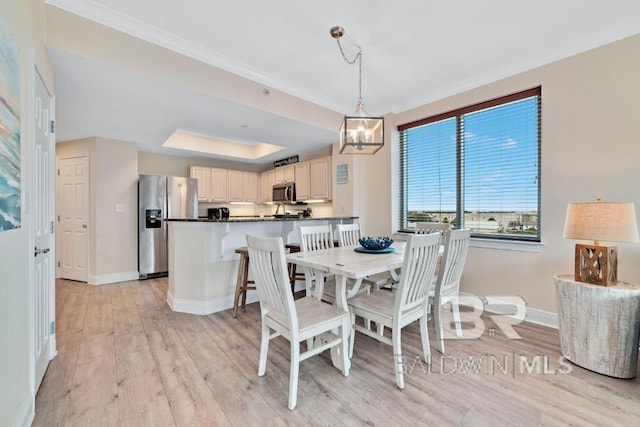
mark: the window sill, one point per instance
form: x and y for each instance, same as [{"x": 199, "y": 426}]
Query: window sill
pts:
[{"x": 508, "y": 245}]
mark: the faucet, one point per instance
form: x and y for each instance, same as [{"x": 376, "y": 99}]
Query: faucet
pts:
[{"x": 284, "y": 211}]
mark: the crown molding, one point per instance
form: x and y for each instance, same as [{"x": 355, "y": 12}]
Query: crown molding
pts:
[{"x": 108, "y": 17}]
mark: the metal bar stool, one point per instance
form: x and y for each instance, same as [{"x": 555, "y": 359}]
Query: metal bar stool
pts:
[{"x": 243, "y": 282}]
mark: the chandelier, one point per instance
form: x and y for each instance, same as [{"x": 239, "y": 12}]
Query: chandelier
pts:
[{"x": 360, "y": 133}]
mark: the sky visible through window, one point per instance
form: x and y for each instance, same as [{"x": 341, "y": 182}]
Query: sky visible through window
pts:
[{"x": 500, "y": 161}]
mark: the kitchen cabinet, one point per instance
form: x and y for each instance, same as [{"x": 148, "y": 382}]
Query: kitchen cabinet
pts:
[
  {"x": 249, "y": 187},
  {"x": 236, "y": 186},
  {"x": 267, "y": 181},
  {"x": 203, "y": 175},
  {"x": 243, "y": 186},
  {"x": 302, "y": 181},
  {"x": 218, "y": 191},
  {"x": 285, "y": 174},
  {"x": 320, "y": 178}
]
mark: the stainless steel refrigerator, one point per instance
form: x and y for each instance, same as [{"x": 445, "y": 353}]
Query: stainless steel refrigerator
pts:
[{"x": 161, "y": 197}]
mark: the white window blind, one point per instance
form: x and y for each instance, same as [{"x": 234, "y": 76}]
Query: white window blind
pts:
[{"x": 477, "y": 168}]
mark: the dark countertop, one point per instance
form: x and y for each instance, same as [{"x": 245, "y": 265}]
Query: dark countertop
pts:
[{"x": 258, "y": 219}]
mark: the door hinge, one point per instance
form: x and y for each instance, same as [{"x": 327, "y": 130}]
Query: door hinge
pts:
[
  {"x": 52, "y": 328},
  {"x": 58, "y": 172},
  {"x": 53, "y": 126},
  {"x": 51, "y": 230},
  {"x": 58, "y": 263}
]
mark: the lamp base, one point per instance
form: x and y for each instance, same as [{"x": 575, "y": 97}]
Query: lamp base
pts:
[{"x": 596, "y": 264}]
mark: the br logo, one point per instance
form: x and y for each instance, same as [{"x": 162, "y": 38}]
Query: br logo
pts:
[{"x": 506, "y": 311}]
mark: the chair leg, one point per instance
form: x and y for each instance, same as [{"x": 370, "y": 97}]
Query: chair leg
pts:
[
  {"x": 344, "y": 346},
  {"x": 437, "y": 316},
  {"x": 352, "y": 335},
  {"x": 264, "y": 349},
  {"x": 397, "y": 357},
  {"x": 424, "y": 335},
  {"x": 456, "y": 316},
  {"x": 293, "y": 374},
  {"x": 239, "y": 284}
]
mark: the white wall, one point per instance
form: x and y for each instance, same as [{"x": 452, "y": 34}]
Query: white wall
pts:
[
  {"x": 590, "y": 150},
  {"x": 25, "y": 21}
]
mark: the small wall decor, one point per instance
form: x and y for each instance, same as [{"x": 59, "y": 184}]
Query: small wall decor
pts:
[
  {"x": 342, "y": 174},
  {"x": 288, "y": 161},
  {"x": 10, "y": 209}
]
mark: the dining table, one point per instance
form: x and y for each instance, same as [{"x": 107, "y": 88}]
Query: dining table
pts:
[{"x": 350, "y": 268}]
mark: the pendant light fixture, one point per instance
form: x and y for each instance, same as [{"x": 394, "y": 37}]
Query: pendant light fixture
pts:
[{"x": 360, "y": 133}]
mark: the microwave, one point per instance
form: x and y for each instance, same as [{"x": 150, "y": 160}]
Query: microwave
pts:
[{"x": 283, "y": 193}]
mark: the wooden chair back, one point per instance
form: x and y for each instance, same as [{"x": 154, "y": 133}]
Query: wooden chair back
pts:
[
  {"x": 420, "y": 260},
  {"x": 456, "y": 246},
  {"x": 269, "y": 271},
  {"x": 314, "y": 238},
  {"x": 348, "y": 234},
  {"x": 432, "y": 227}
]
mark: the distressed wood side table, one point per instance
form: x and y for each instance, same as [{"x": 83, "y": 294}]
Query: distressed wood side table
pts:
[{"x": 599, "y": 325}]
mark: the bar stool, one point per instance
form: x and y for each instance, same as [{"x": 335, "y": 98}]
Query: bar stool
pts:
[
  {"x": 293, "y": 275},
  {"x": 243, "y": 282}
]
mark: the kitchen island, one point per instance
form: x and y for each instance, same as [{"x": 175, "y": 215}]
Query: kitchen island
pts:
[{"x": 203, "y": 264}]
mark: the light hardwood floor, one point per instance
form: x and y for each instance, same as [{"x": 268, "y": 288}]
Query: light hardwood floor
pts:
[{"x": 125, "y": 359}]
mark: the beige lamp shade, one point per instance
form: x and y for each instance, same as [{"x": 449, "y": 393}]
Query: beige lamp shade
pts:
[{"x": 614, "y": 222}]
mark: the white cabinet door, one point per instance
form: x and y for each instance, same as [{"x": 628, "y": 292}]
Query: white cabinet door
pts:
[
  {"x": 285, "y": 174},
  {"x": 219, "y": 185},
  {"x": 289, "y": 173},
  {"x": 249, "y": 187},
  {"x": 320, "y": 178},
  {"x": 235, "y": 186},
  {"x": 302, "y": 181},
  {"x": 267, "y": 181},
  {"x": 203, "y": 175}
]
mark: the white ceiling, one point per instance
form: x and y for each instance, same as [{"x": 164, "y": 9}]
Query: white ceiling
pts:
[{"x": 415, "y": 52}]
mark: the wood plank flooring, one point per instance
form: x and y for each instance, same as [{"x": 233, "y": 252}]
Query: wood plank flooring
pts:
[{"x": 125, "y": 359}]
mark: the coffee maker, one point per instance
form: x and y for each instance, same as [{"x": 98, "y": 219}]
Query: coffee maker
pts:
[{"x": 218, "y": 213}]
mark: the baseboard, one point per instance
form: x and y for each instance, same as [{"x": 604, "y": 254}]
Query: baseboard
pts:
[
  {"x": 205, "y": 307},
  {"x": 105, "y": 279},
  {"x": 533, "y": 315},
  {"x": 27, "y": 413},
  {"x": 540, "y": 317}
]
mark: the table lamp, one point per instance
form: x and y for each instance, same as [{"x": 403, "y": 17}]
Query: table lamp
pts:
[{"x": 615, "y": 222}]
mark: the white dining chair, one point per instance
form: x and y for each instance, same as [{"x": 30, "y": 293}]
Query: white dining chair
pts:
[
  {"x": 398, "y": 309},
  {"x": 297, "y": 321},
  {"x": 314, "y": 238},
  {"x": 447, "y": 283},
  {"x": 349, "y": 236},
  {"x": 432, "y": 227}
]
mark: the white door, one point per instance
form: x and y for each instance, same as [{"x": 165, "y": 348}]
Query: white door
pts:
[
  {"x": 43, "y": 215},
  {"x": 73, "y": 218}
]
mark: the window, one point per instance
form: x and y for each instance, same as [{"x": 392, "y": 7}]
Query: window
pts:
[{"x": 477, "y": 167}]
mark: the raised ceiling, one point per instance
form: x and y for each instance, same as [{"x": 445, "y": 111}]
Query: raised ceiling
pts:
[{"x": 415, "y": 52}]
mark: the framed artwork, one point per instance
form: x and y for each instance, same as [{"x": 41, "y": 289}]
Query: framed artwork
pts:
[
  {"x": 10, "y": 208},
  {"x": 342, "y": 174}
]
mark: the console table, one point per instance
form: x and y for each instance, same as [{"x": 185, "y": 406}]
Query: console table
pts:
[{"x": 599, "y": 325}]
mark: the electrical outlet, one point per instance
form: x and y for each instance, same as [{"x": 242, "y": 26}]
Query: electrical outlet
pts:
[{"x": 121, "y": 207}]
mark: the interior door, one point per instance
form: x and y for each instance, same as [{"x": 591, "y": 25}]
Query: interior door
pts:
[
  {"x": 43, "y": 216},
  {"x": 73, "y": 218}
]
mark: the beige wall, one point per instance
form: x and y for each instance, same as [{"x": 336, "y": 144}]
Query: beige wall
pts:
[
  {"x": 589, "y": 150},
  {"x": 113, "y": 175},
  {"x": 25, "y": 21},
  {"x": 116, "y": 232}
]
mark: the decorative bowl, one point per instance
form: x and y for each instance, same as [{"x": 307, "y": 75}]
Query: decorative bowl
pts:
[{"x": 375, "y": 243}]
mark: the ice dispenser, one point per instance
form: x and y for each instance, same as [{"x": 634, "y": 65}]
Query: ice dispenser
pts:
[{"x": 153, "y": 218}]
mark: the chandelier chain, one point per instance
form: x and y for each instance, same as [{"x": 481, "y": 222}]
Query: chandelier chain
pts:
[{"x": 358, "y": 58}]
